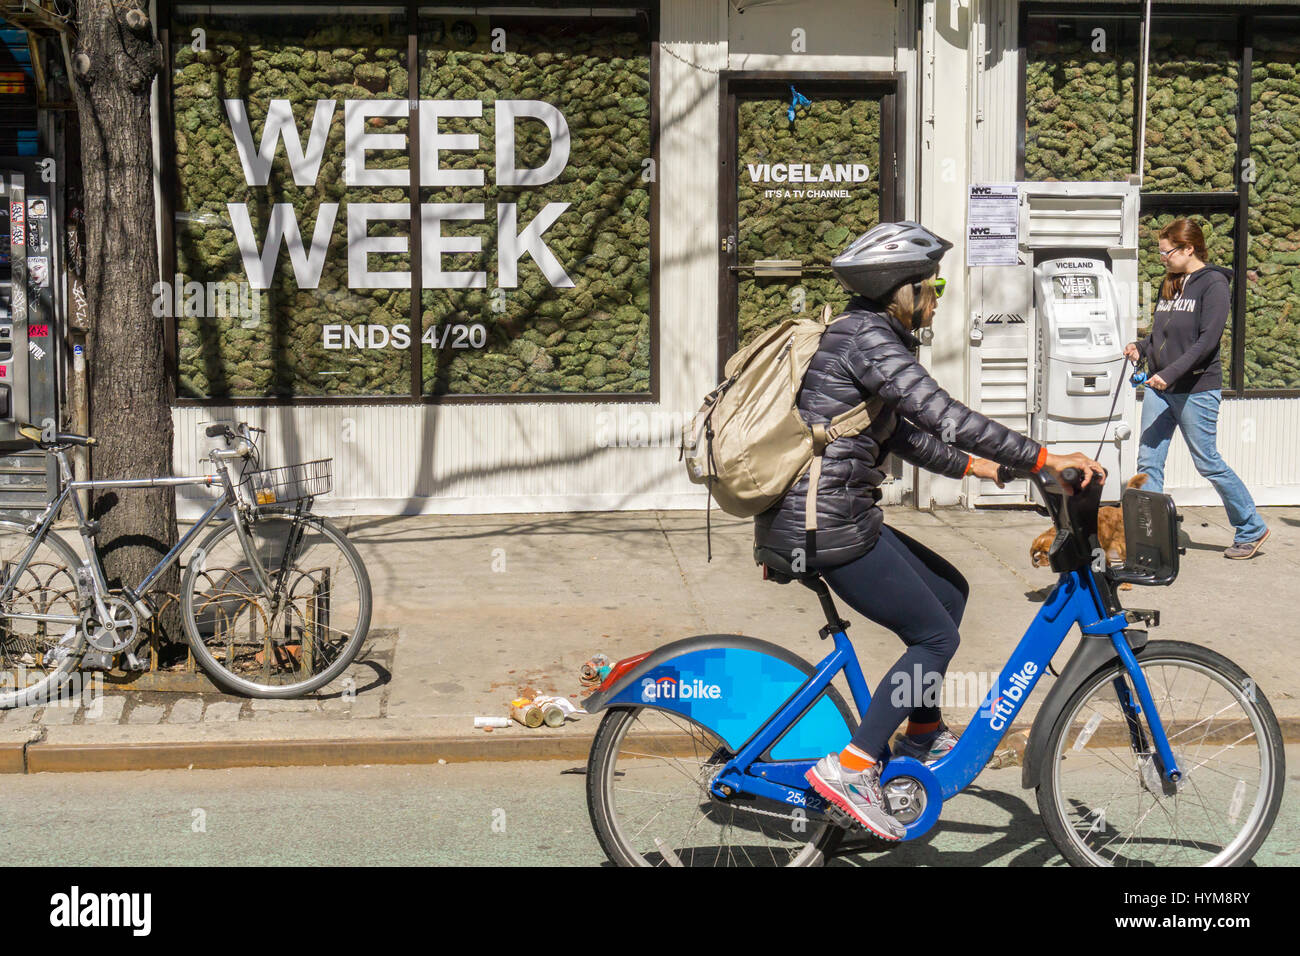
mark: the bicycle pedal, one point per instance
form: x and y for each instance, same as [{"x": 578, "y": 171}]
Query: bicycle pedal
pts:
[{"x": 840, "y": 818}]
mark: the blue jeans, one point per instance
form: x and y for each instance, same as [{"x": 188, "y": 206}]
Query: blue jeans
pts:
[{"x": 1196, "y": 415}]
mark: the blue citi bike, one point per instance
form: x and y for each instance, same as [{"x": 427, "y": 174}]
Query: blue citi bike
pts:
[{"x": 1143, "y": 752}]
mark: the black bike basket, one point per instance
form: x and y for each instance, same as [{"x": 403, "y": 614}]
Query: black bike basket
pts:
[
  {"x": 1150, "y": 538},
  {"x": 271, "y": 486}
]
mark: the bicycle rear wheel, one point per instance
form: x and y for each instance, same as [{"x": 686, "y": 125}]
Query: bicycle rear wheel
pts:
[
  {"x": 648, "y": 795},
  {"x": 36, "y": 657},
  {"x": 295, "y": 639},
  {"x": 1101, "y": 797}
]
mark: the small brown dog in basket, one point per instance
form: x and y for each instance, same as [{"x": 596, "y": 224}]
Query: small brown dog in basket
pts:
[{"x": 1110, "y": 534}]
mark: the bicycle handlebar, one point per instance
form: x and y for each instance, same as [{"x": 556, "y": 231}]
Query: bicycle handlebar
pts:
[
  {"x": 1055, "y": 503},
  {"x": 240, "y": 439},
  {"x": 1071, "y": 476}
]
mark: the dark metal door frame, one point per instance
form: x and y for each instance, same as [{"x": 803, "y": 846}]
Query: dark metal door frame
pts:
[{"x": 738, "y": 85}]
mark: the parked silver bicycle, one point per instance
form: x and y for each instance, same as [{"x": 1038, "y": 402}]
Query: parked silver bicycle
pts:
[{"x": 275, "y": 601}]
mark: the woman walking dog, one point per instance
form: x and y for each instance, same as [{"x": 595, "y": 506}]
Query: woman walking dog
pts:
[{"x": 1184, "y": 391}]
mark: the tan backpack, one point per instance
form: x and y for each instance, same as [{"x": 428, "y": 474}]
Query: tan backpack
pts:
[{"x": 748, "y": 443}]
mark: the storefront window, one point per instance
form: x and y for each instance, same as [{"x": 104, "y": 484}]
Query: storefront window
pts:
[
  {"x": 292, "y": 251},
  {"x": 1080, "y": 83},
  {"x": 834, "y": 144},
  {"x": 568, "y": 310},
  {"x": 1192, "y": 90},
  {"x": 1272, "y": 346},
  {"x": 294, "y": 170}
]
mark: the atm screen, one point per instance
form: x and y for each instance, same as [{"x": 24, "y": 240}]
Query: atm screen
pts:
[{"x": 1076, "y": 287}]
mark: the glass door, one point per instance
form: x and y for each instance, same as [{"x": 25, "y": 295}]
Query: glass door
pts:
[{"x": 808, "y": 163}]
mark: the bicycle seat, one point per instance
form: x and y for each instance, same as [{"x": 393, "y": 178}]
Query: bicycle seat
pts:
[
  {"x": 68, "y": 438},
  {"x": 24, "y": 436},
  {"x": 776, "y": 567}
]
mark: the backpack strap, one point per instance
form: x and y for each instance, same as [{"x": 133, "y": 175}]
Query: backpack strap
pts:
[
  {"x": 853, "y": 422},
  {"x": 814, "y": 478}
]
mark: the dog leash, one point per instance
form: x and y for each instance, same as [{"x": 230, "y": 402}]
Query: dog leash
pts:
[{"x": 1137, "y": 379}]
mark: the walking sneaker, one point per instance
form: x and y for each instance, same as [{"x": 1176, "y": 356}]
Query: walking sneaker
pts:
[
  {"x": 1246, "y": 549},
  {"x": 926, "y": 752},
  {"x": 857, "y": 794}
]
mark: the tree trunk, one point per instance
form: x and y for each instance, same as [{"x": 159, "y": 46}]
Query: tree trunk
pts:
[{"x": 116, "y": 60}]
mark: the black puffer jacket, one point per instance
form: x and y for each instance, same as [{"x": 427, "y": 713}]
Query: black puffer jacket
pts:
[{"x": 866, "y": 353}]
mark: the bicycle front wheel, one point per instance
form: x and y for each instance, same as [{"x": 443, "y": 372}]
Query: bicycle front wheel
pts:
[
  {"x": 1100, "y": 793},
  {"x": 37, "y": 656},
  {"x": 288, "y": 641},
  {"x": 648, "y": 794}
]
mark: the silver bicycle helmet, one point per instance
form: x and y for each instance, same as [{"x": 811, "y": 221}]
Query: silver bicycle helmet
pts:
[{"x": 888, "y": 255}]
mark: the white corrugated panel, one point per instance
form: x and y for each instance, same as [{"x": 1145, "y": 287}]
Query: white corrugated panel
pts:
[
  {"x": 1257, "y": 438},
  {"x": 997, "y": 84},
  {"x": 1004, "y": 390}
]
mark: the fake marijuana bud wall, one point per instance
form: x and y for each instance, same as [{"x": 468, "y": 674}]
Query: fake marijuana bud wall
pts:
[{"x": 582, "y": 326}]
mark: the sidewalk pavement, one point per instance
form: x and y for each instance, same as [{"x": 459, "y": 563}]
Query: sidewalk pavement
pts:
[{"x": 472, "y": 611}]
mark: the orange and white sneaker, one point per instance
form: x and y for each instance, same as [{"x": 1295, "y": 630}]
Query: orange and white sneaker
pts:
[{"x": 857, "y": 794}]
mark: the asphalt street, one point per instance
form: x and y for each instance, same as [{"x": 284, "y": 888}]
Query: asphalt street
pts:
[{"x": 471, "y": 814}]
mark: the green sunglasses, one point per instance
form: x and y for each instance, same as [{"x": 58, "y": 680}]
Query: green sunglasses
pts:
[{"x": 937, "y": 284}]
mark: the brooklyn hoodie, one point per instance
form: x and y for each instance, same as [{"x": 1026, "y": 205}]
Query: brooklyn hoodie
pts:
[{"x": 1183, "y": 347}]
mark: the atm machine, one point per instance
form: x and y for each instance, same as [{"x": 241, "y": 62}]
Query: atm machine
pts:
[
  {"x": 1047, "y": 334},
  {"x": 29, "y": 340},
  {"x": 1080, "y": 360}
]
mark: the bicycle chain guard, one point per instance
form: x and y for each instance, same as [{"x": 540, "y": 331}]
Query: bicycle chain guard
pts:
[
  {"x": 911, "y": 786},
  {"x": 906, "y": 798},
  {"x": 797, "y": 815},
  {"x": 116, "y": 637}
]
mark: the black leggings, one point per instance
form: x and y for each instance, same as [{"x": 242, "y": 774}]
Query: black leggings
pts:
[{"x": 904, "y": 586}]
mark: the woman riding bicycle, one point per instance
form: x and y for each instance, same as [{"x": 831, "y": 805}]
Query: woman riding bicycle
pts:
[{"x": 881, "y": 573}]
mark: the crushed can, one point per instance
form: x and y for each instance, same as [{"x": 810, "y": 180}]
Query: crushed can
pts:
[{"x": 527, "y": 712}]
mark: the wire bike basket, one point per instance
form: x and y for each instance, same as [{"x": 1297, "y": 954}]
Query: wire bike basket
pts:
[{"x": 270, "y": 486}]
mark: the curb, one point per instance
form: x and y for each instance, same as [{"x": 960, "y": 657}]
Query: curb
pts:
[
  {"x": 13, "y": 758},
  {"x": 223, "y": 755},
  {"x": 40, "y": 757}
]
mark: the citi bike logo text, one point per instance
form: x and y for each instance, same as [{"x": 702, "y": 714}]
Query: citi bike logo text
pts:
[
  {"x": 1012, "y": 694},
  {"x": 669, "y": 688}
]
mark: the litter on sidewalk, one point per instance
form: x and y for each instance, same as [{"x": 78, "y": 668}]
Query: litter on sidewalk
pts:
[
  {"x": 545, "y": 709},
  {"x": 595, "y": 670},
  {"x": 533, "y": 710},
  {"x": 526, "y": 712}
]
